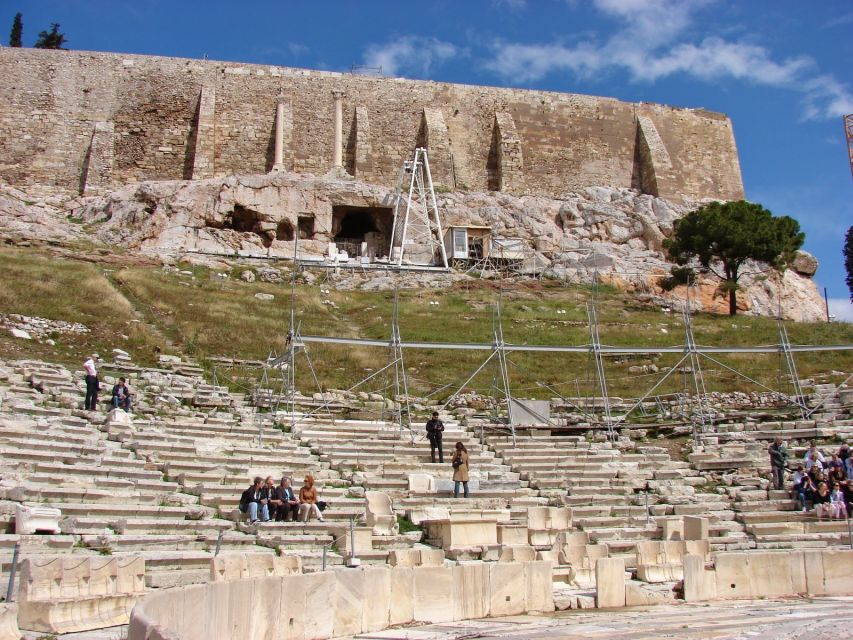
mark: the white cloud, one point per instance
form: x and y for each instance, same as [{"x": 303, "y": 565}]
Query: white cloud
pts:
[
  {"x": 654, "y": 43},
  {"x": 841, "y": 308},
  {"x": 412, "y": 54}
]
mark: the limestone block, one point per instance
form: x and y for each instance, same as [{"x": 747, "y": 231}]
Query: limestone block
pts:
[
  {"x": 673, "y": 529},
  {"x": 837, "y": 571},
  {"x": 512, "y": 534},
  {"x": 404, "y": 557},
  {"x": 539, "y": 586},
  {"x": 401, "y": 604},
  {"x": 30, "y": 519},
  {"x": 9, "y": 622},
  {"x": 639, "y": 594},
  {"x": 65, "y": 595},
  {"x": 745, "y": 575},
  {"x": 517, "y": 553},
  {"x": 433, "y": 594},
  {"x": 118, "y": 418},
  {"x": 351, "y": 593},
  {"x": 550, "y": 556},
  {"x": 458, "y": 533},
  {"x": 380, "y": 514},
  {"x": 376, "y": 605},
  {"x": 508, "y": 592},
  {"x": 421, "y": 483},
  {"x": 699, "y": 584},
  {"x": 610, "y": 583},
  {"x": 363, "y": 537},
  {"x": 432, "y": 557},
  {"x": 695, "y": 528},
  {"x": 655, "y": 573},
  {"x": 815, "y": 576},
  {"x": 308, "y": 604},
  {"x": 242, "y": 566},
  {"x": 418, "y": 516},
  {"x": 266, "y": 600},
  {"x": 470, "y": 590}
]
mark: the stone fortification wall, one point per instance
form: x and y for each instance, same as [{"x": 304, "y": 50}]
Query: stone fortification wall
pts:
[{"x": 81, "y": 120}]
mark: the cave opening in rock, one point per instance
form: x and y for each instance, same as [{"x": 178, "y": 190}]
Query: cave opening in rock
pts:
[
  {"x": 284, "y": 230},
  {"x": 243, "y": 219},
  {"x": 362, "y": 231}
]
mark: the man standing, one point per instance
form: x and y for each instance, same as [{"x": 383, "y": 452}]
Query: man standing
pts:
[
  {"x": 91, "y": 384},
  {"x": 434, "y": 429},
  {"x": 778, "y": 459}
]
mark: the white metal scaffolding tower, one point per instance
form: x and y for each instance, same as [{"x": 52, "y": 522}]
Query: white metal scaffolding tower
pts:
[{"x": 417, "y": 225}]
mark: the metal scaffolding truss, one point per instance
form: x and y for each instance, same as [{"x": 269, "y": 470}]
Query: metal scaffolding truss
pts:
[
  {"x": 397, "y": 412},
  {"x": 417, "y": 224}
]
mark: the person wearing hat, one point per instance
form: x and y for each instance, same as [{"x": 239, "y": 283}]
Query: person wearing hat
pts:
[{"x": 435, "y": 429}]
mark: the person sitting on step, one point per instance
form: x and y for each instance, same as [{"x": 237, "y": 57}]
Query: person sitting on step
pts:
[
  {"x": 308, "y": 501},
  {"x": 822, "y": 501},
  {"x": 250, "y": 502},
  {"x": 286, "y": 504},
  {"x": 813, "y": 457},
  {"x": 121, "y": 395},
  {"x": 838, "y": 505}
]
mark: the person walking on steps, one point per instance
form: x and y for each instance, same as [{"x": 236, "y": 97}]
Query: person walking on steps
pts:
[
  {"x": 460, "y": 469},
  {"x": 435, "y": 429},
  {"x": 778, "y": 460},
  {"x": 92, "y": 383}
]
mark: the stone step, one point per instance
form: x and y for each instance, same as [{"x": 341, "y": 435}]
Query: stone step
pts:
[{"x": 165, "y": 526}]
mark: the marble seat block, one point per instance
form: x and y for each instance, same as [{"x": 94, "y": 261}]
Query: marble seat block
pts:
[
  {"x": 418, "y": 516},
  {"x": 71, "y": 594},
  {"x": 380, "y": 514},
  {"x": 662, "y": 561},
  {"x": 421, "y": 482},
  {"x": 242, "y": 566},
  {"x": 416, "y": 557},
  {"x": 545, "y": 524},
  {"x": 459, "y": 533},
  {"x": 30, "y": 519},
  {"x": 9, "y": 622},
  {"x": 582, "y": 559}
]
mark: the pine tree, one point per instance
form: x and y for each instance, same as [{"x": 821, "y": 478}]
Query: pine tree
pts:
[
  {"x": 722, "y": 236},
  {"x": 50, "y": 39},
  {"x": 17, "y": 31}
]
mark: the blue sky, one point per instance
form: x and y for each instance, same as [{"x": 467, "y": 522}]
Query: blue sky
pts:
[{"x": 779, "y": 68}]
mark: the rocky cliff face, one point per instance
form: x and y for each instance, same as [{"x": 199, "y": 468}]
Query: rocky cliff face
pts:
[{"x": 612, "y": 234}]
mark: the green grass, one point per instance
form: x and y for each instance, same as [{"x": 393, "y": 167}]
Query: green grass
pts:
[{"x": 199, "y": 314}]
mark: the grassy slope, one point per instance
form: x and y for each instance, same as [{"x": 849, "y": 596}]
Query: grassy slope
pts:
[{"x": 203, "y": 315}]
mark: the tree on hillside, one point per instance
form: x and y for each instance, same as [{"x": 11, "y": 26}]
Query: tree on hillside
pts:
[
  {"x": 848, "y": 260},
  {"x": 17, "y": 31},
  {"x": 50, "y": 39},
  {"x": 721, "y": 236}
]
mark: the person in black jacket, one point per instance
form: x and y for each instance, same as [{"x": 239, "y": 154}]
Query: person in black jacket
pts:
[
  {"x": 285, "y": 505},
  {"x": 435, "y": 429},
  {"x": 250, "y": 501}
]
